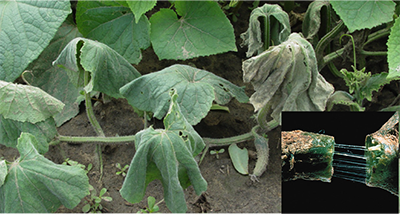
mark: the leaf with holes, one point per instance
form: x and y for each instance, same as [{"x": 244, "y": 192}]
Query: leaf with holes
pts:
[
  {"x": 196, "y": 88},
  {"x": 201, "y": 30},
  {"x": 163, "y": 154},
  {"x": 293, "y": 84},
  {"x": 26, "y": 29},
  {"x": 35, "y": 184}
]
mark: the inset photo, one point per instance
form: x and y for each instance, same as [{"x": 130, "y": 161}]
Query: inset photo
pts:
[{"x": 335, "y": 162}]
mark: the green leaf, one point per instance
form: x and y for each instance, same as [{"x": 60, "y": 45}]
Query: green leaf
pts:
[
  {"x": 44, "y": 131},
  {"x": 52, "y": 79},
  {"x": 279, "y": 28},
  {"x": 240, "y": 158},
  {"x": 394, "y": 50},
  {"x": 109, "y": 70},
  {"x": 35, "y": 184},
  {"x": 343, "y": 98},
  {"x": 26, "y": 29},
  {"x": 201, "y": 30},
  {"x": 86, "y": 208},
  {"x": 358, "y": 15},
  {"x": 113, "y": 24},
  {"x": 286, "y": 78},
  {"x": 139, "y": 8},
  {"x": 151, "y": 201},
  {"x": 312, "y": 20},
  {"x": 168, "y": 150},
  {"x": 26, "y": 103},
  {"x": 3, "y": 171},
  {"x": 374, "y": 83},
  {"x": 196, "y": 88}
]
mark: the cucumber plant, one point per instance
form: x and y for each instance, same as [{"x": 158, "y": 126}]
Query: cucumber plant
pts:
[{"x": 92, "y": 51}]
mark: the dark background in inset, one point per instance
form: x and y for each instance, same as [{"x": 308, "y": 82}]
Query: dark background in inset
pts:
[{"x": 340, "y": 195}]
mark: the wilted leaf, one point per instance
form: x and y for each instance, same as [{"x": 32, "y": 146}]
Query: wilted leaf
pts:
[
  {"x": 53, "y": 79},
  {"x": 279, "y": 30},
  {"x": 44, "y": 131},
  {"x": 35, "y": 184},
  {"x": 168, "y": 150},
  {"x": 343, "y": 98},
  {"x": 312, "y": 20},
  {"x": 358, "y": 15},
  {"x": 196, "y": 88},
  {"x": 109, "y": 70},
  {"x": 26, "y": 29},
  {"x": 240, "y": 158},
  {"x": 286, "y": 78},
  {"x": 201, "y": 30},
  {"x": 112, "y": 23},
  {"x": 26, "y": 103}
]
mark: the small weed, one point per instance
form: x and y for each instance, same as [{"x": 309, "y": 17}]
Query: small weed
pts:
[
  {"x": 93, "y": 204},
  {"x": 217, "y": 152},
  {"x": 152, "y": 206},
  {"x": 122, "y": 170}
]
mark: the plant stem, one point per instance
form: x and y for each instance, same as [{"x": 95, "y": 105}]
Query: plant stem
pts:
[
  {"x": 103, "y": 140},
  {"x": 213, "y": 142},
  {"x": 93, "y": 121}
]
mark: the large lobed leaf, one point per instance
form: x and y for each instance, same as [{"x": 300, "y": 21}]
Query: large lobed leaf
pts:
[
  {"x": 35, "y": 184},
  {"x": 358, "y": 15},
  {"x": 201, "y": 30},
  {"x": 279, "y": 31},
  {"x": 286, "y": 78},
  {"x": 112, "y": 23},
  {"x": 51, "y": 78},
  {"x": 196, "y": 88},
  {"x": 26, "y": 103},
  {"x": 109, "y": 70},
  {"x": 170, "y": 150},
  {"x": 26, "y": 29}
]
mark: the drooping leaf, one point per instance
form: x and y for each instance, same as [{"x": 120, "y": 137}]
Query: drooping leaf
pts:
[
  {"x": 167, "y": 149},
  {"x": 286, "y": 78},
  {"x": 312, "y": 20},
  {"x": 196, "y": 88},
  {"x": 44, "y": 131},
  {"x": 26, "y": 29},
  {"x": 109, "y": 70},
  {"x": 279, "y": 29},
  {"x": 240, "y": 158},
  {"x": 139, "y": 8},
  {"x": 112, "y": 23},
  {"x": 53, "y": 79},
  {"x": 201, "y": 30},
  {"x": 394, "y": 50},
  {"x": 343, "y": 98},
  {"x": 26, "y": 103},
  {"x": 3, "y": 171},
  {"x": 35, "y": 184},
  {"x": 358, "y": 15}
]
